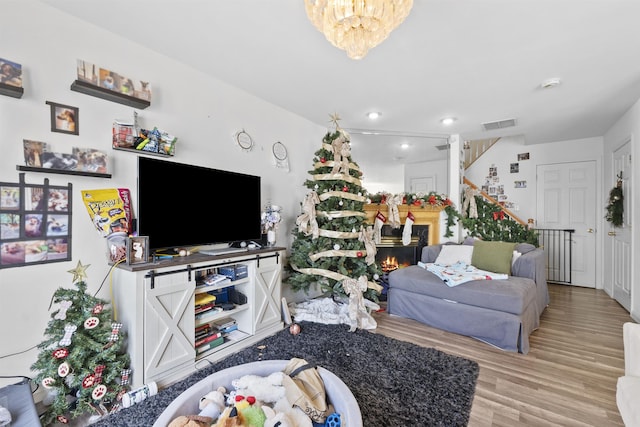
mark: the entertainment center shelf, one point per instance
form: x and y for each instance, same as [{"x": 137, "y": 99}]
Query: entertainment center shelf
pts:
[{"x": 171, "y": 323}]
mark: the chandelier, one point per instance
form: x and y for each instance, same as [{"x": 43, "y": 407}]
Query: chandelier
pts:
[{"x": 357, "y": 25}]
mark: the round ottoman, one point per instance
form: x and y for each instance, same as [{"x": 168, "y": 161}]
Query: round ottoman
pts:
[{"x": 338, "y": 394}]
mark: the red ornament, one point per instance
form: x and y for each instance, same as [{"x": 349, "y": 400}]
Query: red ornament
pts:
[
  {"x": 448, "y": 202},
  {"x": 432, "y": 200},
  {"x": 417, "y": 203},
  {"x": 404, "y": 200},
  {"x": 323, "y": 160},
  {"x": 345, "y": 188},
  {"x": 97, "y": 309},
  {"x": 498, "y": 215},
  {"x": 359, "y": 254},
  {"x": 60, "y": 353}
]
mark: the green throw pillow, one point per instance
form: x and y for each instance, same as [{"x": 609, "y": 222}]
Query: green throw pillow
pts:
[{"x": 493, "y": 256}]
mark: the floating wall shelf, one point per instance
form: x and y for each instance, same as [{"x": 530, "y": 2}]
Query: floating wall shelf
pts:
[
  {"x": 12, "y": 91},
  {"x": 109, "y": 95},
  {"x": 62, "y": 171},
  {"x": 151, "y": 153}
]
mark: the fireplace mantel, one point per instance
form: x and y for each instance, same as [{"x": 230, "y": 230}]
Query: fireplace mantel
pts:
[{"x": 428, "y": 215}]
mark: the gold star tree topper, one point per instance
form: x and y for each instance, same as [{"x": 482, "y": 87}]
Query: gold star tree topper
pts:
[
  {"x": 80, "y": 272},
  {"x": 335, "y": 118}
]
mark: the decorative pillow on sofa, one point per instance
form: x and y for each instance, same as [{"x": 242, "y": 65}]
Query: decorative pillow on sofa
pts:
[
  {"x": 493, "y": 256},
  {"x": 451, "y": 254}
]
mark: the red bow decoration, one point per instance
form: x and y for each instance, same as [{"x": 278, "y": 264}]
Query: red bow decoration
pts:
[{"x": 498, "y": 215}]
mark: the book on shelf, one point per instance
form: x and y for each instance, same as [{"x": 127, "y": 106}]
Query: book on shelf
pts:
[
  {"x": 208, "y": 346},
  {"x": 208, "y": 338},
  {"x": 215, "y": 279},
  {"x": 223, "y": 323},
  {"x": 212, "y": 310},
  {"x": 204, "y": 298}
]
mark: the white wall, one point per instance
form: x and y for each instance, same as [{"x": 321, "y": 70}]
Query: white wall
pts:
[
  {"x": 437, "y": 168},
  {"x": 627, "y": 127},
  {"x": 506, "y": 151},
  {"x": 202, "y": 112}
]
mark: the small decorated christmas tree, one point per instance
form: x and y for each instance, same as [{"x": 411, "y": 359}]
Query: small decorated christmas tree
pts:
[
  {"x": 81, "y": 362},
  {"x": 333, "y": 245}
]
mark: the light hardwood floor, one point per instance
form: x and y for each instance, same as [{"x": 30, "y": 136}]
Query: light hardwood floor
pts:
[{"x": 569, "y": 376}]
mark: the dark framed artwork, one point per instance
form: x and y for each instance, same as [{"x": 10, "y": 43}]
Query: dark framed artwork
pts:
[
  {"x": 64, "y": 118},
  {"x": 138, "y": 250},
  {"x": 35, "y": 223}
]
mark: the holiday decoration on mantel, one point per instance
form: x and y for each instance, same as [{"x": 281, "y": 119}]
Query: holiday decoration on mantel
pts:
[
  {"x": 615, "y": 208},
  {"x": 418, "y": 200},
  {"x": 81, "y": 363},
  {"x": 333, "y": 245}
]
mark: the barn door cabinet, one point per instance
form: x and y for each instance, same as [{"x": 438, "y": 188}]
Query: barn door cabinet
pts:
[{"x": 155, "y": 304}]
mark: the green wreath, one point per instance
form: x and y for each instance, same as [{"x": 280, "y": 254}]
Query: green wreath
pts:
[{"x": 615, "y": 208}]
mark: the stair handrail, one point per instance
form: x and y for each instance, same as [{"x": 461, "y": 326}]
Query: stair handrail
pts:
[{"x": 486, "y": 196}]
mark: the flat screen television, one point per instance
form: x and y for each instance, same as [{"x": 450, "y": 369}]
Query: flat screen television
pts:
[{"x": 184, "y": 206}]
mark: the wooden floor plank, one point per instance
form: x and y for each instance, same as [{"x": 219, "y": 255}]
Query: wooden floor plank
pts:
[{"x": 569, "y": 376}]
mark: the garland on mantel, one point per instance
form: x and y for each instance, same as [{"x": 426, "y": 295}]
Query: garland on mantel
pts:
[
  {"x": 422, "y": 200},
  {"x": 615, "y": 208}
]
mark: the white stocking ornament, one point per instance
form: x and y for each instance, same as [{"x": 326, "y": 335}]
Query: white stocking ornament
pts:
[
  {"x": 377, "y": 227},
  {"x": 406, "y": 233}
]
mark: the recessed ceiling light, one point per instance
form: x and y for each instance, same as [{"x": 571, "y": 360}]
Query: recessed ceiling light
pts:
[
  {"x": 404, "y": 146},
  {"x": 550, "y": 83},
  {"x": 374, "y": 115},
  {"x": 448, "y": 120}
]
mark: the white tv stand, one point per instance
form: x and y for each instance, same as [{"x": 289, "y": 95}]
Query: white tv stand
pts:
[
  {"x": 222, "y": 251},
  {"x": 155, "y": 304}
]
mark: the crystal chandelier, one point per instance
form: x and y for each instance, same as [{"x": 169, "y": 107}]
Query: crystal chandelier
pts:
[{"x": 357, "y": 25}]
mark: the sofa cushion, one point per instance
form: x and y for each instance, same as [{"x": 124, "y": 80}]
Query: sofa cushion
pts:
[
  {"x": 452, "y": 254},
  {"x": 493, "y": 256},
  {"x": 511, "y": 296}
]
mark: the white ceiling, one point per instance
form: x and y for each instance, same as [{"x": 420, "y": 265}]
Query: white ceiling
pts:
[{"x": 477, "y": 60}]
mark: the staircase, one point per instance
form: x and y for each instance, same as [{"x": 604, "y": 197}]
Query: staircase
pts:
[{"x": 475, "y": 148}]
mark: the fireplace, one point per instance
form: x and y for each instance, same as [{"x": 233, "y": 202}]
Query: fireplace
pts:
[{"x": 391, "y": 252}]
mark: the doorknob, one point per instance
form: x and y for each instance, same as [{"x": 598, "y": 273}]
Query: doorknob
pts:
[
  {"x": 589, "y": 230},
  {"x": 611, "y": 233}
]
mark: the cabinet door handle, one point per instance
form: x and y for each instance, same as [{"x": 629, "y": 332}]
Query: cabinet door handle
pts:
[
  {"x": 589, "y": 230},
  {"x": 611, "y": 233}
]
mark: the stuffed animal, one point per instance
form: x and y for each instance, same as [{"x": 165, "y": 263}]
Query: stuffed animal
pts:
[
  {"x": 191, "y": 421},
  {"x": 213, "y": 403},
  {"x": 276, "y": 420},
  {"x": 267, "y": 389}
]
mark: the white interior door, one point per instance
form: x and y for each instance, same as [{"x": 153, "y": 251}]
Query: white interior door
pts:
[
  {"x": 566, "y": 199},
  {"x": 620, "y": 254},
  {"x": 423, "y": 184}
]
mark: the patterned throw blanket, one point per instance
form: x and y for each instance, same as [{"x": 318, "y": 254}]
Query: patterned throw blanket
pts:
[{"x": 459, "y": 273}]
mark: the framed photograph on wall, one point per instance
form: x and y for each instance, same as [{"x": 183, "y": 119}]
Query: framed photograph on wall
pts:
[
  {"x": 137, "y": 250},
  {"x": 64, "y": 118}
]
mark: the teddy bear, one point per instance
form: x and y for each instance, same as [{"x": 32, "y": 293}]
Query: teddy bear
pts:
[{"x": 213, "y": 403}]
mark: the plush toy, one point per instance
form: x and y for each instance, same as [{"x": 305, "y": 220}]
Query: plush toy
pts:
[
  {"x": 267, "y": 389},
  {"x": 276, "y": 420},
  {"x": 191, "y": 421},
  {"x": 213, "y": 403},
  {"x": 229, "y": 418},
  {"x": 295, "y": 414}
]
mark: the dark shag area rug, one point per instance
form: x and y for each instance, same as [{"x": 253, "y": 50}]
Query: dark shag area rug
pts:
[{"x": 395, "y": 383}]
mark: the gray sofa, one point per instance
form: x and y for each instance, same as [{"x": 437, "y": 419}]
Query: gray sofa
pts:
[{"x": 502, "y": 313}]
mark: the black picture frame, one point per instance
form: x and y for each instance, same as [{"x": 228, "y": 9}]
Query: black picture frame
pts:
[
  {"x": 64, "y": 118},
  {"x": 137, "y": 250}
]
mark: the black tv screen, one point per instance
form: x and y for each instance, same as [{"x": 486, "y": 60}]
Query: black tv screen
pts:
[{"x": 182, "y": 205}]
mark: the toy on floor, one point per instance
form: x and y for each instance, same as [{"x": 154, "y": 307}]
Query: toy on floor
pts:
[
  {"x": 191, "y": 421},
  {"x": 213, "y": 403}
]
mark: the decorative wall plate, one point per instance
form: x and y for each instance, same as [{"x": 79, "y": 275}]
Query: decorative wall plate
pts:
[
  {"x": 244, "y": 140},
  {"x": 280, "y": 155}
]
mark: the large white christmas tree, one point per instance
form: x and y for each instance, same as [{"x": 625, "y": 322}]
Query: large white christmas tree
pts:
[
  {"x": 333, "y": 245},
  {"x": 81, "y": 362}
]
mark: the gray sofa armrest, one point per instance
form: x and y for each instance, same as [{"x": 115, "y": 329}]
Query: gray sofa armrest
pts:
[
  {"x": 533, "y": 265},
  {"x": 430, "y": 253}
]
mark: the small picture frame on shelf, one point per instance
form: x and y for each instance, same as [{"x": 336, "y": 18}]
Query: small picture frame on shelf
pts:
[
  {"x": 64, "y": 118},
  {"x": 137, "y": 250}
]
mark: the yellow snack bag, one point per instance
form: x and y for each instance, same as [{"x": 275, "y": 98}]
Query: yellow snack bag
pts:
[{"x": 109, "y": 209}]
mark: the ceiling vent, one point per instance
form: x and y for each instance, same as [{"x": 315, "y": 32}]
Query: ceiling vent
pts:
[{"x": 500, "y": 124}]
